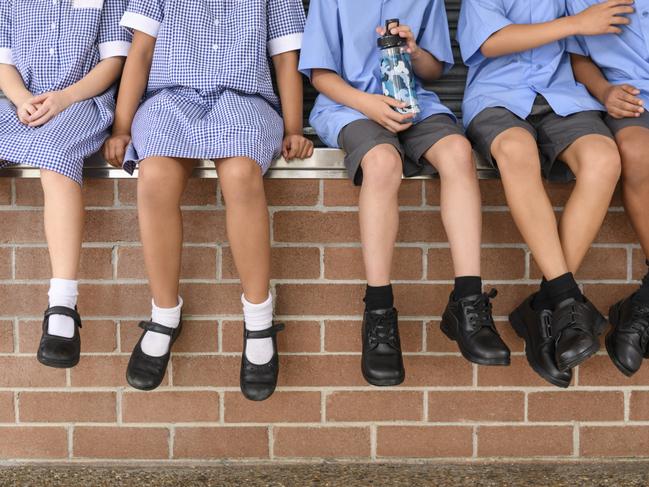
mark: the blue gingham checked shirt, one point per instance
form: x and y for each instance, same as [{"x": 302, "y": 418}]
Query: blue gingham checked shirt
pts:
[
  {"x": 212, "y": 45},
  {"x": 55, "y": 43}
]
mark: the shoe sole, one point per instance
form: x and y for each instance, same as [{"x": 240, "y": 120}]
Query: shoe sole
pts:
[
  {"x": 580, "y": 359},
  {"x": 614, "y": 318},
  {"x": 57, "y": 364},
  {"x": 446, "y": 329},
  {"x": 520, "y": 329}
]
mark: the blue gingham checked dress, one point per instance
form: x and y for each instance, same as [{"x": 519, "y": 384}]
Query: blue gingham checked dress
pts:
[
  {"x": 54, "y": 44},
  {"x": 210, "y": 94}
]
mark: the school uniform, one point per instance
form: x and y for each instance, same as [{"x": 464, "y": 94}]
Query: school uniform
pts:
[
  {"x": 341, "y": 36},
  {"x": 535, "y": 90},
  {"x": 623, "y": 58},
  {"x": 210, "y": 93},
  {"x": 54, "y": 44}
]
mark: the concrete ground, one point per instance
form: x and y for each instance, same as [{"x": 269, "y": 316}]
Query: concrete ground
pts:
[{"x": 618, "y": 474}]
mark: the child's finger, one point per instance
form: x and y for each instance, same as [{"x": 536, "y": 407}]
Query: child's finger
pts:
[
  {"x": 42, "y": 110},
  {"x": 631, "y": 90},
  {"x": 630, "y": 99},
  {"x": 38, "y": 99}
]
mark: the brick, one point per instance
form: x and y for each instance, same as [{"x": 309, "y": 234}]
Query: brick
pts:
[
  {"x": 286, "y": 263},
  {"x": 34, "y": 263},
  {"x": 497, "y": 264},
  {"x": 639, "y": 406},
  {"x": 433, "y": 371},
  {"x": 524, "y": 441},
  {"x": 345, "y": 336},
  {"x": 575, "y": 406},
  {"x": 319, "y": 299},
  {"x": 206, "y": 370},
  {"x": 100, "y": 371},
  {"x": 421, "y": 299},
  {"x": 600, "y": 371},
  {"x": 302, "y": 192},
  {"x": 96, "y": 192},
  {"x": 475, "y": 406},
  {"x": 96, "y": 336},
  {"x": 344, "y": 193},
  {"x": 374, "y": 406},
  {"x": 210, "y": 299},
  {"x": 197, "y": 336},
  {"x": 299, "y": 336},
  {"x": 510, "y": 296},
  {"x": 197, "y": 263},
  {"x": 7, "y": 407},
  {"x": 68, "y": 407},
  {"x": 5, "y": 191},
  {"x": 6, "y": 336},
  {"x": 518, "y": 374},
  {"x": 424, "y": 441},
  {"x": 221, "y": 442},
  {"x": 23, "y": 299},
  {"x": 112, "y": 300},
  {"x": 281, "y": 407},
  {"x": 5, "y": 263},
  {"x": 605, "y": 295},
  {"x": 111, "y": 225},
  {"x": 33, "y": 442},
  {"x": 320, "y": 370},
  {"x": 614, "y": 441},
  {"x": 322, "y": 442},
  {"x": 120, "y": 442},
  {"x": 27, "y": 372},
  {"x": 170, "y": 407},
  {"x": 316, "y": 227},
  {"x": 639, "y": 269},
  {"x": 347, "y": 263},
  {"x": 421, "y": 226},
  {"x": 499, "y": 227},
  {"x": 199, "y": 192},
  {"x": 25, "y": 226},
  {"x": 600, "y": 263},
  {"x": 616, "y": 229}
]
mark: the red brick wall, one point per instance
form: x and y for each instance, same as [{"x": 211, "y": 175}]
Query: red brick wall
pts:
[{"x": 447, "y": 408}]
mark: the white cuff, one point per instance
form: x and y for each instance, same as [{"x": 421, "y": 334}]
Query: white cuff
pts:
[
  {"x": 113, "y": 49},
  {"x": 5, "y": 56},
  {"x": 291, "y": 42},
  {"x": 140, "y": 22}
]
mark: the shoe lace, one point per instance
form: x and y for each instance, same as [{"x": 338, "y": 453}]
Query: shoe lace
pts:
[
  {"x": 479, "y": 312},
  {"x": 382, "y": 328},
  {"x": 639, "y": 322}
]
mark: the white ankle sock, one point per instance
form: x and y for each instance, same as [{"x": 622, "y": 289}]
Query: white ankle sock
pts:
[
  {"x": 258, "y": 317},
  {"x": 63, "y": 292},
  {"x": 157, "y": 344}
]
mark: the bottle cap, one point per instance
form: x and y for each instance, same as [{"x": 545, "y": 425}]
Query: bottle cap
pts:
[{"x": 388, "y": 40}]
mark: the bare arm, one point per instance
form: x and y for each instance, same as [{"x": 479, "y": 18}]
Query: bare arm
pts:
[
  {"x": 374, "y": 107},
  {"x": 12, "y": 84},
  {"x": 599, "y": 19},
  {"x": 621, "y": 101},
  {"x": 131, "y": 91}
]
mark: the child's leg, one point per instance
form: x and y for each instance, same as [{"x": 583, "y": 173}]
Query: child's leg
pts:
[
  {"x": 520, "y": 169},
  {"x": 595, "y": 160},
  {"x": 460, "y": 201},
  {"x": 249, "y": 235},
  {"x": 161, "y": 183},
  {"x": 64, "y": 219}
]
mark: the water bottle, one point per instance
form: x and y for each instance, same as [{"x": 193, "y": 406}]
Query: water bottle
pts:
[{"x": 397, "y": 77}]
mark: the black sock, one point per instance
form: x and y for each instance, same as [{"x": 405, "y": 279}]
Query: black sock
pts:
[
  {"x": 557, "y": 290},
  {"x": 643, "y": 292},
  {"x": 380, "y": 297},
  {"x": 466, "y": 286}
]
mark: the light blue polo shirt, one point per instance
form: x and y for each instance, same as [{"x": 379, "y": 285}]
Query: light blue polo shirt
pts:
[
  {"x": 513, "y": 81},
  {"x": 623, "y": 58},
  {"x": 340, "y": 35}
]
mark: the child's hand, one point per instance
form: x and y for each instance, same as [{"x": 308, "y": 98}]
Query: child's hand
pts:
[
  {"x": 621, "y": 101},
  {"x": 405, "y": 32},
  {"x": 25, "y": 110},
  {"x": 296, "y": 147},
  {"x": 604, "y": 17},
  {"x": 115, "y": 149},
  {"x": 50, "y": 105},
  {"x": 380, "y": 109}
]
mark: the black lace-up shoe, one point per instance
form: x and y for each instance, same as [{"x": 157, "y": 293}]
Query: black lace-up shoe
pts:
[
  {"x": 382, "y": 362},
  {"x": 536, "y": 329},
  {"x": 576, "y": 326},
  {"x": 470, "y": 323},
  {"x": 628, "y": 342}
]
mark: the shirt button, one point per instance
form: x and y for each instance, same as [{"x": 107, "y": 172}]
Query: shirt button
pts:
[
  {"x": 539, "y": 66},
  {"x": 216, "y": 22},
  {"x": 645, "y": 14},
  {"x": 53, "y": 25},
  {"x": 54, "y": 2},
  {"x": 52, "y": 51},
  {"x": 215, "y": 47}
]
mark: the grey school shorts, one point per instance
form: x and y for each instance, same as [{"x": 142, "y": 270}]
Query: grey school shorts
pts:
[
  {"x": 553, "y": 133},
  {"x": 361, "y": 136},
  {"x": 618, "y": 124}
]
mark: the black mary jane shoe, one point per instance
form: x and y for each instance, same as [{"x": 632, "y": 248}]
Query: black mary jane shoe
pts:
[
  {"x": 258, "y": 382},
  {"x": 145, "y": 372},
  {"x": 56, "y": 351}
]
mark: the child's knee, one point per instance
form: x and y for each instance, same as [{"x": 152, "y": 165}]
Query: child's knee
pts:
[
  {"x": 456, "y": 158},
  {"x": 600, "y": 163},
  {"x": 238, "y": 176},
  {"x": 635, "y": 160},
  {"x": 382, "y": 167},
  {"x": 516, "y": 154}
]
